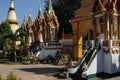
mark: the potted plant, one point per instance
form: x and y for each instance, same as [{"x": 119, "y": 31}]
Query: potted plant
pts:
[{"x": 26, "y": 60}]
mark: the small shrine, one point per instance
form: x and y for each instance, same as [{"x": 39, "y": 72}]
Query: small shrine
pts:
[{"x": 96, "y": 35}]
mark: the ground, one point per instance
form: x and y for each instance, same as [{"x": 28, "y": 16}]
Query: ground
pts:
[
  {"x": 33, "y": 72},
  {"x": 38, "y": 72}
]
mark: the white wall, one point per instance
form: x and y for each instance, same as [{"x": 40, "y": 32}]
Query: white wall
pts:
[
  {"x": 97, "y": 64},
  {"x": 107, "y": 62},
  {"x": 115, "y": 63}
]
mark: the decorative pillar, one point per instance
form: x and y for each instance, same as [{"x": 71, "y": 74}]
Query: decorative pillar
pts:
[
  {"x": 115, "y": 23},
  {"x": 98, "y": 25},
  {"x": 111, "y": 31},
  {"x": 75, "y": 51},
  {"x": 119, "y": 30},
  {"x": 79, "y": 53},
  {"x": 108, "y": 26}
]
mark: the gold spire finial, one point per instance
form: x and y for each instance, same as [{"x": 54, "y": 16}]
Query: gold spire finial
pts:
[{"x": 50, "y": 6}]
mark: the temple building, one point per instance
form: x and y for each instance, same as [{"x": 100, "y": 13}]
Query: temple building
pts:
[
  {"x": 51, "y": 29},
  {"x": 44, "y": 28},
  {"x": 12, "y": 18}
]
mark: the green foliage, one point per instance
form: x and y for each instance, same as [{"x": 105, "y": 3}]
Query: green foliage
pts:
[
  {"x": 1, "y": 78},
  {"x": 21, "y": 36},
  {"x": 6, "y": 36},
  {"x": 11, "y": 42},
  {"x": 8, "y": 62},
  {"x": 8, "y": 39},
  {"x": 11, "y": 76},
  {"x": 26, "y": 58},
  {"x": 64, "y": 59}
]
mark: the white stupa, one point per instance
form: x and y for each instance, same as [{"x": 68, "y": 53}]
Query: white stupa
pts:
[{"x": 11, "y": 17}]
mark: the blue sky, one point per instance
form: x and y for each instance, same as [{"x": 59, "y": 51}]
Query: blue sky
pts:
[{"x": 22, "y": 7}]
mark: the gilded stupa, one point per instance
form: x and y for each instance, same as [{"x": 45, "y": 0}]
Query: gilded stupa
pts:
[{"x": 12, "y": 18}]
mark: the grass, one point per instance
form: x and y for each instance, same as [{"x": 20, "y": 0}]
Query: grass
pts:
[
  {"x": 10, "y": 76},
  {"x": 8, "y": 62}
]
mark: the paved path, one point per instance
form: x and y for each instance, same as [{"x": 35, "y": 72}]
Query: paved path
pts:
[
  {"x": 37, "y": 72},
  {"x": 32, "y": 72}
]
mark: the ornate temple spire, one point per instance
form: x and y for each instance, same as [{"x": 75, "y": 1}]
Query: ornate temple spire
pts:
[
  {"x": 23, "y": 25},
  {"x": 30, "y": 18},
  {"x": 30, "y": 21},
  {"x": 40, "y": 6},
  {"x": 25, "y": 20},
  {"x": 50, "y": 7},
  {"x": 11, "y": 17},
  {"x": 12, "y": 4},
  {"x": 40, "y": 10}
]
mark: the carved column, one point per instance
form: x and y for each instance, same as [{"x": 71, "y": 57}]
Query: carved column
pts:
[
  {"x": 108, "y": 25},
  {"x": 115, "y": 27},
  {"x": 119, "y": 29}
]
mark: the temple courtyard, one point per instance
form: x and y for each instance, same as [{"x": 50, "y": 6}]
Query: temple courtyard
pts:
[
  {"x": 37, "y": 72},
  {"x": 32, "y": 72}
]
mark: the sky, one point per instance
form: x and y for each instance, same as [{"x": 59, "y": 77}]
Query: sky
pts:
[{"x": 22, "y": 7}]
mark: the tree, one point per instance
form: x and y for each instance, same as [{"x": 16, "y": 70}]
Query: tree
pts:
[
  {"x": 21, "y": 36},
  {"x": 10, "y": 42},
  {"x": 64, "y": 10},
  {"x": 6, "y": 36}
]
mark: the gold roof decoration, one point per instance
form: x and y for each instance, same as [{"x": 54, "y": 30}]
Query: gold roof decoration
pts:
[
  {"x": 53, "y": 19},
  {"x": 47, "y": 18},
  {"x": 106, "y": 6},
  {"x": 29, "y": 24},
  {"x": 115, "y": 12},
  {"x": 50, "y": 16},
  {"x": 23, "y": 25},
  {"x": 83, "y": 21},
  {"x": 40, "y": 21},
  {"x": 85, "y": 10}
]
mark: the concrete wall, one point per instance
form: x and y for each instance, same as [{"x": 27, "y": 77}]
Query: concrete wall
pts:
[
  {"x": 107, "y": 60},
  {"x": 67, "y": 44},
  {"x": 111, "y": 63},
  {"x": 97, "y": 64}
]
